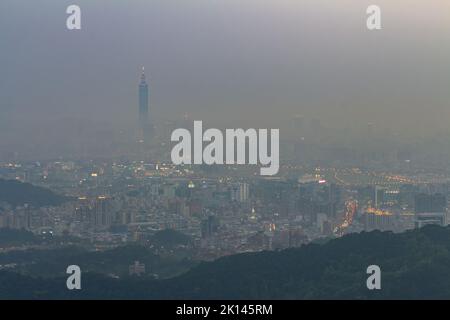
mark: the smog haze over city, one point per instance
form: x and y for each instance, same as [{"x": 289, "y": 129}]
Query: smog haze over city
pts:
[
  {"x": 229, "y": 63},
  {"x": 224, "y": 149}
]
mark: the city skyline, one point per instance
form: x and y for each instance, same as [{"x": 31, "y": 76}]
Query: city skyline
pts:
[
  {"x": 217, "y": 65},
  {"x": 226, "y": 149}
]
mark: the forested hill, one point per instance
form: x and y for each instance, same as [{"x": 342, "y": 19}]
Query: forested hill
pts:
[
  {"x": 414, "y": 265},
  {"x": 17, "y": 193}
]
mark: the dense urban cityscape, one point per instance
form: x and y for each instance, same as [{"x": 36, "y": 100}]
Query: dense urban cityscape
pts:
[
  {"x": 188, "y": 213},
  {"x": 223, "y": 209},
  {"x": 226, "y": 209},
  {"x": 118, "y": 161}
]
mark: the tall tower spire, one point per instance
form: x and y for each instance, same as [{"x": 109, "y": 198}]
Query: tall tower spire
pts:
[
  {"x": 143, "y": 80},
  {"x": 144, "y": 123}
]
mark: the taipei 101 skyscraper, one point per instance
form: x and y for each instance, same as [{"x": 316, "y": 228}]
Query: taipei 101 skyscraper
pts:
[{"x": 145, "y": 127}]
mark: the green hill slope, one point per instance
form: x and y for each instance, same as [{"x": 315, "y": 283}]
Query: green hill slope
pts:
[
  {"x": 414, "y": 265},
  {"x": 17, "y": 193}
]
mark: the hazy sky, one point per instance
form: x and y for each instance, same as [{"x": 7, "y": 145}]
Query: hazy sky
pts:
[{"x": 227, "y": 60}]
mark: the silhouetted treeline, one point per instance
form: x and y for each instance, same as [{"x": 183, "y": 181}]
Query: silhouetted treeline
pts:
[
  {"x": 414, "y": 265},
  {"x": 17, "y": 193}
]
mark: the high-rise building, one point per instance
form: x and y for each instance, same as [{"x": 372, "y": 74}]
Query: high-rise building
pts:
[
  {"x": 209, "y": 226},
  {"x": 101, "y": 216},
  {"x": 430, "y": 209},
  {"x": 376, "y": 219},
  {"x": 144, "y": 122},
  {"x": 297, "y": 126},
  {"x": 240, "y": 192},
  {"x": 430, "y": 203}
]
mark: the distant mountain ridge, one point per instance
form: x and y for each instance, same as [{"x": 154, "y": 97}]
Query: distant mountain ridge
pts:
[
  {"x": 414, "y": 265},
  {"x": 17, "y": 193}
]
